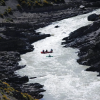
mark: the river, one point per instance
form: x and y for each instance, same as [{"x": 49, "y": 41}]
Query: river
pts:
[{"x": 63, "y": 78}]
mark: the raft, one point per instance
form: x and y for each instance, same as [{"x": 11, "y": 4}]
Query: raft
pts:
[
  {"x": 47, "y": 52},
  {"x": 49, "y": 56}
]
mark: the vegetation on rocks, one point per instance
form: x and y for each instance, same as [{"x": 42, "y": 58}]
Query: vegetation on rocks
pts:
[
  {"x": 19, "y": 6},
  {"x": 2, "y": 2},
  {"x": 8, "y": 20},
  {"x": 5, "y": 13},
  {"x": 6, "y": 91},
  {"x": 9, "y": 10},
  {"x": 1, "y": 15},
  {"x": 5, "y": 97},
  {"x": 30, "y": 4}
]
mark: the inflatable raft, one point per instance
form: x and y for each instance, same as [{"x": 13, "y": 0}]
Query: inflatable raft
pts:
[
  {"x": 49, "y": 56},
  {"x": 47, "y": 52}
]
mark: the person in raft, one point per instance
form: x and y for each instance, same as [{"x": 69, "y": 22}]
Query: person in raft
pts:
[
  {"x": 51, "y": 50},
  {"x": 49, "y": 56},
  {"x": 43, "y": 51},
  {"x": 46, "y": 51}
]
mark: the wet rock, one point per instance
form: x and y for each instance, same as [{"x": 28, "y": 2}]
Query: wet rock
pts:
[
  {"x": 14, "y": 42},
  {"x": 18, "y": 79},
  {"x": 56, "y": 26},
  {"x": 19, "y": 39},
  {"x": 82, "y": 7},
  {"x": 36, "y": 85},
  {"x": 33, "y": 89},
  {"x": 8, "y": 65},
  {"x": 87, "y": 40},
  {"x": 93, "y": 17},
  {"x": 34, "y": 38},
  {"x": 32, "y": 77}
]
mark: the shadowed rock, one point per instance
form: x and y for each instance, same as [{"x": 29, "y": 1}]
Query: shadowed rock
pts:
[
  {"x": 87, "y": 39},
  {"x": 93, "y": 17}
]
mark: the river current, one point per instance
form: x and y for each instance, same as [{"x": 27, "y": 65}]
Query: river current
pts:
[{"x": 63, "y": 78}]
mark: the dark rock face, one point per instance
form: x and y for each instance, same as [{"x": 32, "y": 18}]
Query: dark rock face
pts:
[
  {"x": 33, "y": 89},
  {"x": 16, "y": 44},
  {"x": 8, "y": 65},
  {"x": 13, "y": 42},
  {"x": 93, "y": 17},
  {"x": 17, "y": 79},
  {"x": 87, "y": 39},
  {"x": 13, "y": 39},
  {"x": 9, "y": 62}
]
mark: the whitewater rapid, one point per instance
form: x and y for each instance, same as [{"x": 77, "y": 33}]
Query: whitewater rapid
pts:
[{"x": 63, "y": 78}]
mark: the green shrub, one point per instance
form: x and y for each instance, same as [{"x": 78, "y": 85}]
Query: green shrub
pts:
[
  {"x": 46, "y": 3},
  {"x": 19, "y": 7},
  {"x": 2, "y": 2},
  {"x": 29, "y": 5},
  {"x": 40, "y": 4},
  {"x": 9, "y": 10},
  {"x": 23, "y": 3},
  {"x": 6, "y": 84},
  {"x": 9, "y": 20},
  {"x": 5, "y": 13},
  {"x": 1, "y": 92},
  {"x": 0, "y": 81},
  {"x": 37, "y": 4},
  {"x": 31, "y": 2},
  {"x": 1, "y": 15},
  {"x": 5, "y": 97}
]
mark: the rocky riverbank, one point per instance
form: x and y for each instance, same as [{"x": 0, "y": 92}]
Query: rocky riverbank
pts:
[
  {"x": 87, "y": 40},
  {"x": 13, "y": 42},
  {"x": 16, "y": 38}
]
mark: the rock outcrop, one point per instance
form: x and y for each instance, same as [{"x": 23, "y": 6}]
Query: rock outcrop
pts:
[
  {"x": 13, "y": 42},
  {"x": 87, "y": 40},
  {"x": 8, "y": 65},
  {"x": 93, "y": 17},
  {"x": 18, "y": 39}
]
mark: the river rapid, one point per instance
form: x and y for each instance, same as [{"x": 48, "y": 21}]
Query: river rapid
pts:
[{"x": 63, "y": 78}]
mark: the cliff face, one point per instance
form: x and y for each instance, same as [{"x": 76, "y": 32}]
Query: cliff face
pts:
[
  {"x": 19, "y": 39},
  {"x": 13, "y": 42},
  {"x": 87, "y": 40}
]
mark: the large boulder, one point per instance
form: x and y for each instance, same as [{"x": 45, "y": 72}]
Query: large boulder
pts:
[{"x": 93, "y": 17}]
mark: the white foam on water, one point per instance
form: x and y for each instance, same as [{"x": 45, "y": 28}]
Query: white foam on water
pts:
[{"x": 62, "y": 77}]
